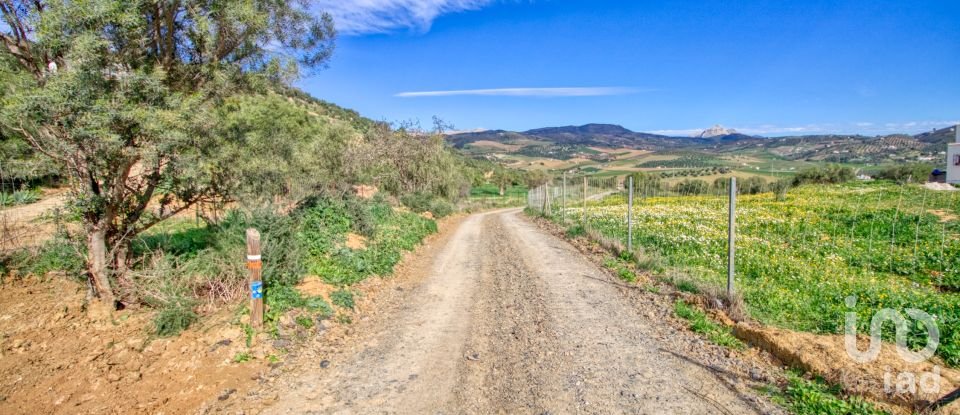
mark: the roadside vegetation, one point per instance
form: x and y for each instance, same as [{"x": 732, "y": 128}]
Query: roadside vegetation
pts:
[
  {"x": 171, "y": 151},
  {"x": 804, "y": 244},
  {"x": 802, "y": 253},
  {"x": 700, "y": 323},
  {"x": 804, "y": 396},
  {"x": 19, "y": 197}
]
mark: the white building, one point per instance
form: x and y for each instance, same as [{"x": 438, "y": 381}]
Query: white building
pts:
[{"x": 953, "y": 158}]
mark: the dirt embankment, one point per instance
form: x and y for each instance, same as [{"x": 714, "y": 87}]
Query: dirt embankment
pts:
[
  {"x": 881, "y": 380},
  {"x": 59, "y": 355}
]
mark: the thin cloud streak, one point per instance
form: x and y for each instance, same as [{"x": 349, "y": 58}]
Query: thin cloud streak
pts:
[
  {"x": 528, "y": 92},
  {"x": 362, "y": 17}
]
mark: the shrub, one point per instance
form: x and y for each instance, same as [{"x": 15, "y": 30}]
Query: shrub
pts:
[
  {"x": 304, "y": 321},
  {"x": 907, "y": 173},
  {"x": 780, "y": 188},
  {"x": 441, "y": 208},
  {"x": 174, "y": 316},
  {"x": 19, "y": 197},
  {"x": 417, "y": 202},
  {"x": 693, "y": 187},
  {"x": 576, "y": 231},
  {"x": 58, "y": 254},
  {"x": 751, "y": 185},
  {"x": 342, "y": 298},
  {"x": 425, "y": 202},
  {"x": 284, "y": 298},
  {"x": 830, "y": 174}
]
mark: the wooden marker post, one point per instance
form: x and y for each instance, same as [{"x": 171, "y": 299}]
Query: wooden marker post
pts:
[{"x": 255, "y": 265}]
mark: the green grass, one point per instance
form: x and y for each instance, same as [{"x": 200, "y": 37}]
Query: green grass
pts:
[
  {"x": 242, "y": 357},
  {"x": 686, "y": 286},
  {"x": 491, "y": 190},
  {"x": 700, "y": 323},
  {"x": 621, "y": 268},
  {"x": 304, "y": 321},
  {"x": 799, "y": 258},
  {"x": 343, "y": 298},
  {"x": 575, "y": 231},
  {"x": 816, "y": 397}
]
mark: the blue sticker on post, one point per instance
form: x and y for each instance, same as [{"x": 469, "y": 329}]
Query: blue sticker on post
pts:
[{"x": 256, "y": 290}]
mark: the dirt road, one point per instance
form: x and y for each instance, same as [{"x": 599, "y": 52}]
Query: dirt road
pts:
[{"x": 510, "y": 319}]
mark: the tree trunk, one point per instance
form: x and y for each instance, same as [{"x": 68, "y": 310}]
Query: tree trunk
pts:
[
  {"x": 121, "y": 261},
  {"x": 501, "y": 190},
  {"x": 97, "y": 264}
]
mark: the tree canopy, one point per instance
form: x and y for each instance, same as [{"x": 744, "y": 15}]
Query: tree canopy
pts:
[{"x": 124, "y": 95}]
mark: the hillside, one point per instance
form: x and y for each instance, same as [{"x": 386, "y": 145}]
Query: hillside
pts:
[{"x": 586, "y": 141}]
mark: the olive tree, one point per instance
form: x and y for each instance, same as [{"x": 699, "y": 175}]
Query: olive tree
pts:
[{"x": 123, "y": 94}]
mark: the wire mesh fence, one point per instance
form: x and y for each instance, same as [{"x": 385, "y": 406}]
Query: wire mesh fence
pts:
[
  {"x": 800, "y": 252},
  {"x": 27, "y": 216}
]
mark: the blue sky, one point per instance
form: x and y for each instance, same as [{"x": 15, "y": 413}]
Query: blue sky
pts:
[{"x": 762, "y": 67}]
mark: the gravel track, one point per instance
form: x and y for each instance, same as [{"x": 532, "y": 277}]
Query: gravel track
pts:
[{"x": 510, "y": 319}]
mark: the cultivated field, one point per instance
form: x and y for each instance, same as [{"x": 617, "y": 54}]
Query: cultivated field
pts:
[{"x": 798, "y": 259}]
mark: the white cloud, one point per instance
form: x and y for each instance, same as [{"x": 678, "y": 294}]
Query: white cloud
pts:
[
  {"x": 678, "y": 133},
  {"x": 359, "y": 17},
  {"x": 528, "y": 92}
]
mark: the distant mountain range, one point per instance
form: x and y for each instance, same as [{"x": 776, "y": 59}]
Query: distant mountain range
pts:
[
  {"x": 603, "y": 135},
  {"x": 828, "y": 147}
]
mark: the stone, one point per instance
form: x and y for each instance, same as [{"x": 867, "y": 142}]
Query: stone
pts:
[{"x": 226, "y": 394}]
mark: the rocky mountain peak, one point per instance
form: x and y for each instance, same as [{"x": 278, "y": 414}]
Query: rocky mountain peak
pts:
[{"x": 716, "y": 131}]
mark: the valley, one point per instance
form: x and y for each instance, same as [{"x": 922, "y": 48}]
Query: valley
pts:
[{"x": 609, "y": 150}]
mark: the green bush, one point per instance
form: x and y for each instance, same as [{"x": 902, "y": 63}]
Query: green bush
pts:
[
  {"x": 751, "y": 185},
  {"x": 58, "y": 254},
  {"x": 441, "y": 208},
  {"x": 780, "y": 188},
  {"x": 342, "y": 298},
  {"x": 692, "y": 187},
  {"x": 906, "y": 173},
  {"x": 575, "y": 231},
  {"x": 174, "y": 316},
  {"x": 831, "y": 174},
  {"x": 19, "y": 197},
  {"x": 425, "y": 202},
  {"x": 178, "y": 264},
  {"x": 283, "y": 298}
]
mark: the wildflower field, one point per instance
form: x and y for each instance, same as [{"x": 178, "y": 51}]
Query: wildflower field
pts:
[{"x": 798, "y": 258}]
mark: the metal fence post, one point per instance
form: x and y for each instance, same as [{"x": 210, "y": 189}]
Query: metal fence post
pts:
[
  {"x": 546, "y": 199},
  {"x": 630, "y": 217},
  {"x": 584, "y": 202},
  {"x": 563, "y": 200},
  {"x": 731, "y": 236}
]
